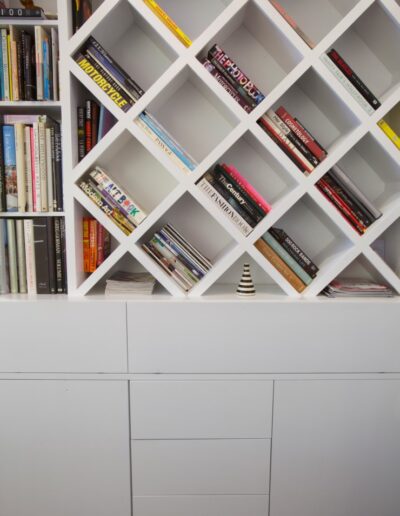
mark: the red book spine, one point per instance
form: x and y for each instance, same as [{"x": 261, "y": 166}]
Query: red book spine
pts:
[
  {"x": 93, "y": 245},
  {"x": 304, "y": 136},
  {"x": 247, "y": 187},
  {"x": 86, "y": 244},
  {"x": 88, "y": 127},
  {"x": 100, "y": 244}
]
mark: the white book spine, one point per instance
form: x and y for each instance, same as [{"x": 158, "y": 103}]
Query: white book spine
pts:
[
  {"x": 28, "y": 168},
  {"x": 38, "y": 193},
  {"x": 49, "y": 167},
  {"x": 4, "y": 286},
  {"x": 19, "y": 226},
  {"x": 347, "y": 84},
  {"x": 30, "y": 256},
  {"x": 225, "y": 207},
  {"x": 43, "y": 167},
  {"x": 19, "y": 131},
  {"x": 6, "y": 69}
]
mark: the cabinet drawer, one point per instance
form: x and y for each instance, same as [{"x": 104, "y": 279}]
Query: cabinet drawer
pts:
[
  {"x": 238, "y": 505},
  {"x": 63, "y": 336},
  {"x": 200, "y": 467},
  {"x": 201, "y": 409}
]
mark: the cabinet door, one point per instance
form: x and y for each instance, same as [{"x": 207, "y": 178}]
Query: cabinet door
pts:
[
  {"x": 64, "y": 448},
  {"x": 336, "y": 448}
]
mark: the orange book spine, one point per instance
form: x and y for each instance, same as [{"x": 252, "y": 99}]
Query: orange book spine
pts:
[
  {"x": 92, "y": 245},
  {"x": 280, "y": 265},
  {"x": 85, "y": 243}
]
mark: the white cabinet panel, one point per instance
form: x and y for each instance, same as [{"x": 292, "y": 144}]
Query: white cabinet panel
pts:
[
  {"x": 64, "y": 448},
  {"x": 198, "y": 337},
  {"x": 201, "y": 409},
  {"x": 336, "y": 448},
  {"x": 200, "y": 467},
  {"x": 238, "y": 505},
  {"x": 63, "y": 336}
]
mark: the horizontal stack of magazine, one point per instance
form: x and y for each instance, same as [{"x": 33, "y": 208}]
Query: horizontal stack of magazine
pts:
[
  {"x": 130, "y": 283},
  {"x": 94, "y": 122},
  {"x": 357, "y": 288},
  {"x": 96, "y": 241},
  {"x": 161, "y": 137},
  {"x": 232, "y": 79},
  {"x": 179, "y": 259},
  {"x": 293, "y": 138},
  {"x": 351, "y": 81},
  {"x": 32, "y": 256},
  {"x": 110, "y": 77},
  {"x": 29, "y": 63},
  {"x": 288, "y": 258},
  {"x": 236, "y": 198},
  {"x": 30, "y": 164},
  {"x": 115, "y": 202},
  {"x": 351, "y": 203}
]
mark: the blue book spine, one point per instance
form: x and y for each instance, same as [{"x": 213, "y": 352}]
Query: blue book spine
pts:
[
  {"x": 46, "y": 71},
  {"x": 289, "y": 260},
  {"x": 10, "y": 168},
  {"x": 190, "y": 165},
  {"x": 101, "y": 123}
]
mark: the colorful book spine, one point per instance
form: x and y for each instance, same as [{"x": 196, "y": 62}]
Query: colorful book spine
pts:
[
  {"x": 85, "y": 244},
  {"x": 88, "y": 126},
  {"x": 292, "y": 23},
  {"x": 10, "y": 168},
  {"x": 389, "y": 132},
  {"x": 81, "y": 133},
  {"x": 92, "y": 245},
  {"x": 3, "y": 199},
  {"x": 168, "y": 22},
  {"x": 184, "y": 258},
  {"x": 6, "y": 79},
  {"x": 249, "y": 189},
  {"x": 159, "y": 244},
  {"x": 46, "y": 70}
]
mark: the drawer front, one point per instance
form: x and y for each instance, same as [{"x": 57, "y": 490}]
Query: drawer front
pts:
[
  {"x": 238, "y": 505},
  {"x": 211, "y": 467},
  {"x": 63, "y": 336},
  {"x": 212, "y": 337},
  {"x": 201, "y": 409}
]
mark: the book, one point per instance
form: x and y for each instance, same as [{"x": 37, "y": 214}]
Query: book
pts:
[
  {"x": 10, "y": 168},
  {"x": 280, "y": 265},
  {"x": 19, "y": 130},
  {"x": 28, "y": 69},
  {"x": 58, "y": 256},
  {"x": 106, "y": 122},
  {"x": 250, "y": 190},
  {"x": 30, "y": 256},
  {"x": 357, "y": 287},
  {"x": 41, "y": 247},
  {"x": 21, "y": 260},
  {"x": 40, "y": 38},
  {"x": 51, "y": 254},
  {"x": 5, "y": 61},
  {"x": 12, "y": 256},
  {"x": 86, "y": 243},
  {"x": 92, "y": 245},
  {"x": 3, "y": 200},
  {"x": 28, "y": 168},
  {"x": 81, "y": 132},
  {"x": 389, "y": 132},
  {"x": 95, "y": 111},
  {"x": 158, "y": 243},
  {"x": 4, "y": 283},
  {"x": 292, "y": 23},
  {"x": 88, "y": 126},
  {"x": 186, "y": 246},
  {"x": 54, "y": 63},
  {"x": 81, "y": 12},
  {"x": 168, "y": 22},
  {"x": 17, "y": 12},
  {"x": 130, "y": 283},
  {"x": 177, "y": 251}
]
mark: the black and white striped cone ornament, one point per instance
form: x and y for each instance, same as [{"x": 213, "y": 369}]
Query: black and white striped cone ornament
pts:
[{"x": 246, "y": 286}]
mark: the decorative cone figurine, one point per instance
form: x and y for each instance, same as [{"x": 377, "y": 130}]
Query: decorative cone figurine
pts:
[{"x": 246, "y": 285}]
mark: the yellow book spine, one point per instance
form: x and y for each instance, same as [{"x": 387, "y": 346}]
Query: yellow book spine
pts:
[
  {"x": 10, "y": 66},
  {"x": 168, "y": 22},
  {"x": 389, "y": 132}
]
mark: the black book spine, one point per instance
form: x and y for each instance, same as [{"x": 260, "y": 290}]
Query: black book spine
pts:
[
  {"x": 3, "y": 204},
  {"x": 81, "y": 133},
  {"x": 58, "y": 168},
  {"x": 302, "y": 148},
  {"x": 241, "y": 195},
  {"x": 16, "y": 12},
  {"x": 58, "y": 255},
  {"x": 20, "y": 69},
  {"x": 226, "y": 194},
  {"x": 51, "y": 255},
  {"x": 95, "y": 122},
  {"x": 310, "y": 135},
  {"x": 295, "y": 252},
  {"x": 30, "y": 70},
  {"x": 354, "y": 79},
  {"x": 41, "y": 245},
  {"x": 350, "y": 200},
  {"x": 63, "y": 255}
]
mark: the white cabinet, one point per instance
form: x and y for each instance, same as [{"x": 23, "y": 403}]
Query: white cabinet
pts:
[
  {"x": 64, "y": 448},
  {"x": 336, "y": 448}
]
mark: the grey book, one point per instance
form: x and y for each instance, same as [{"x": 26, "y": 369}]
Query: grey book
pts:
[
  {"x": 21, "y": 260},
  {"x": 4, "y": 286},
  {"x": 12, "y": 256}
]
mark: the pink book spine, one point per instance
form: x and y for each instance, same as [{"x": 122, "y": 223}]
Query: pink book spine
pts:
[
  {"x": 249, "y": 188},
  {"x": 33, "y": 171}
]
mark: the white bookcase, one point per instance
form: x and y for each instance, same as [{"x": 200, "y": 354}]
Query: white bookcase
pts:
[{"x": 209, "y": 124}]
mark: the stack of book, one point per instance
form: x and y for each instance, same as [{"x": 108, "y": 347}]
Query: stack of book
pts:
[
  {"x": 232, "y": 79},
  {"x": 288, "y": 258},
  {"x": 81, "y": 12},
  {"x": 168, "y": 22},
  {"x": 391, "y": 125},
  {"x": 94, "y": 122},
  {"x": 293, "y": 138},
  {"x": 351, "y": 81},
  {"x": 235, "y": 197},
  {"x": 130, "y": 283},
  {"x": 110, "y": 77},
  {"x": 30, "y": 164},
  {"x": 356, "y": 288},
  {"x": 115, "y": 202},
  {"x": 352, "y": 204},
  {"x": 180, "y": 259},
  {"x": 161, "y": 137},
  {"x": 292, "y": 23},
  {"x": 96, "y": 242},
  {"x": 32, "y": 256},
  {"x": 29, "y": 64}
]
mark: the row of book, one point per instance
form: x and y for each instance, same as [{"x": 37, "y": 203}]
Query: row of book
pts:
[
  {"x": 94, "y": 122},
  {"x": 351, "y": 81},
  {"x": 235, "y": 197},
  {"x": 115, "y": 202},
  {"x": 232, "y": 79},
  {"x": 288, "y": 258},
  {"x": 293, "y": 138},
  {"x": 30, "y": 164},
  {"x": 98, "y": 64},
  {"x": 177, "y": 257},
  {"x": 29, "y": 63},
  {"x": 348, "y": 199},
  {"x": 32, "y": 256},
  {"x": 96, "y": 242}
]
